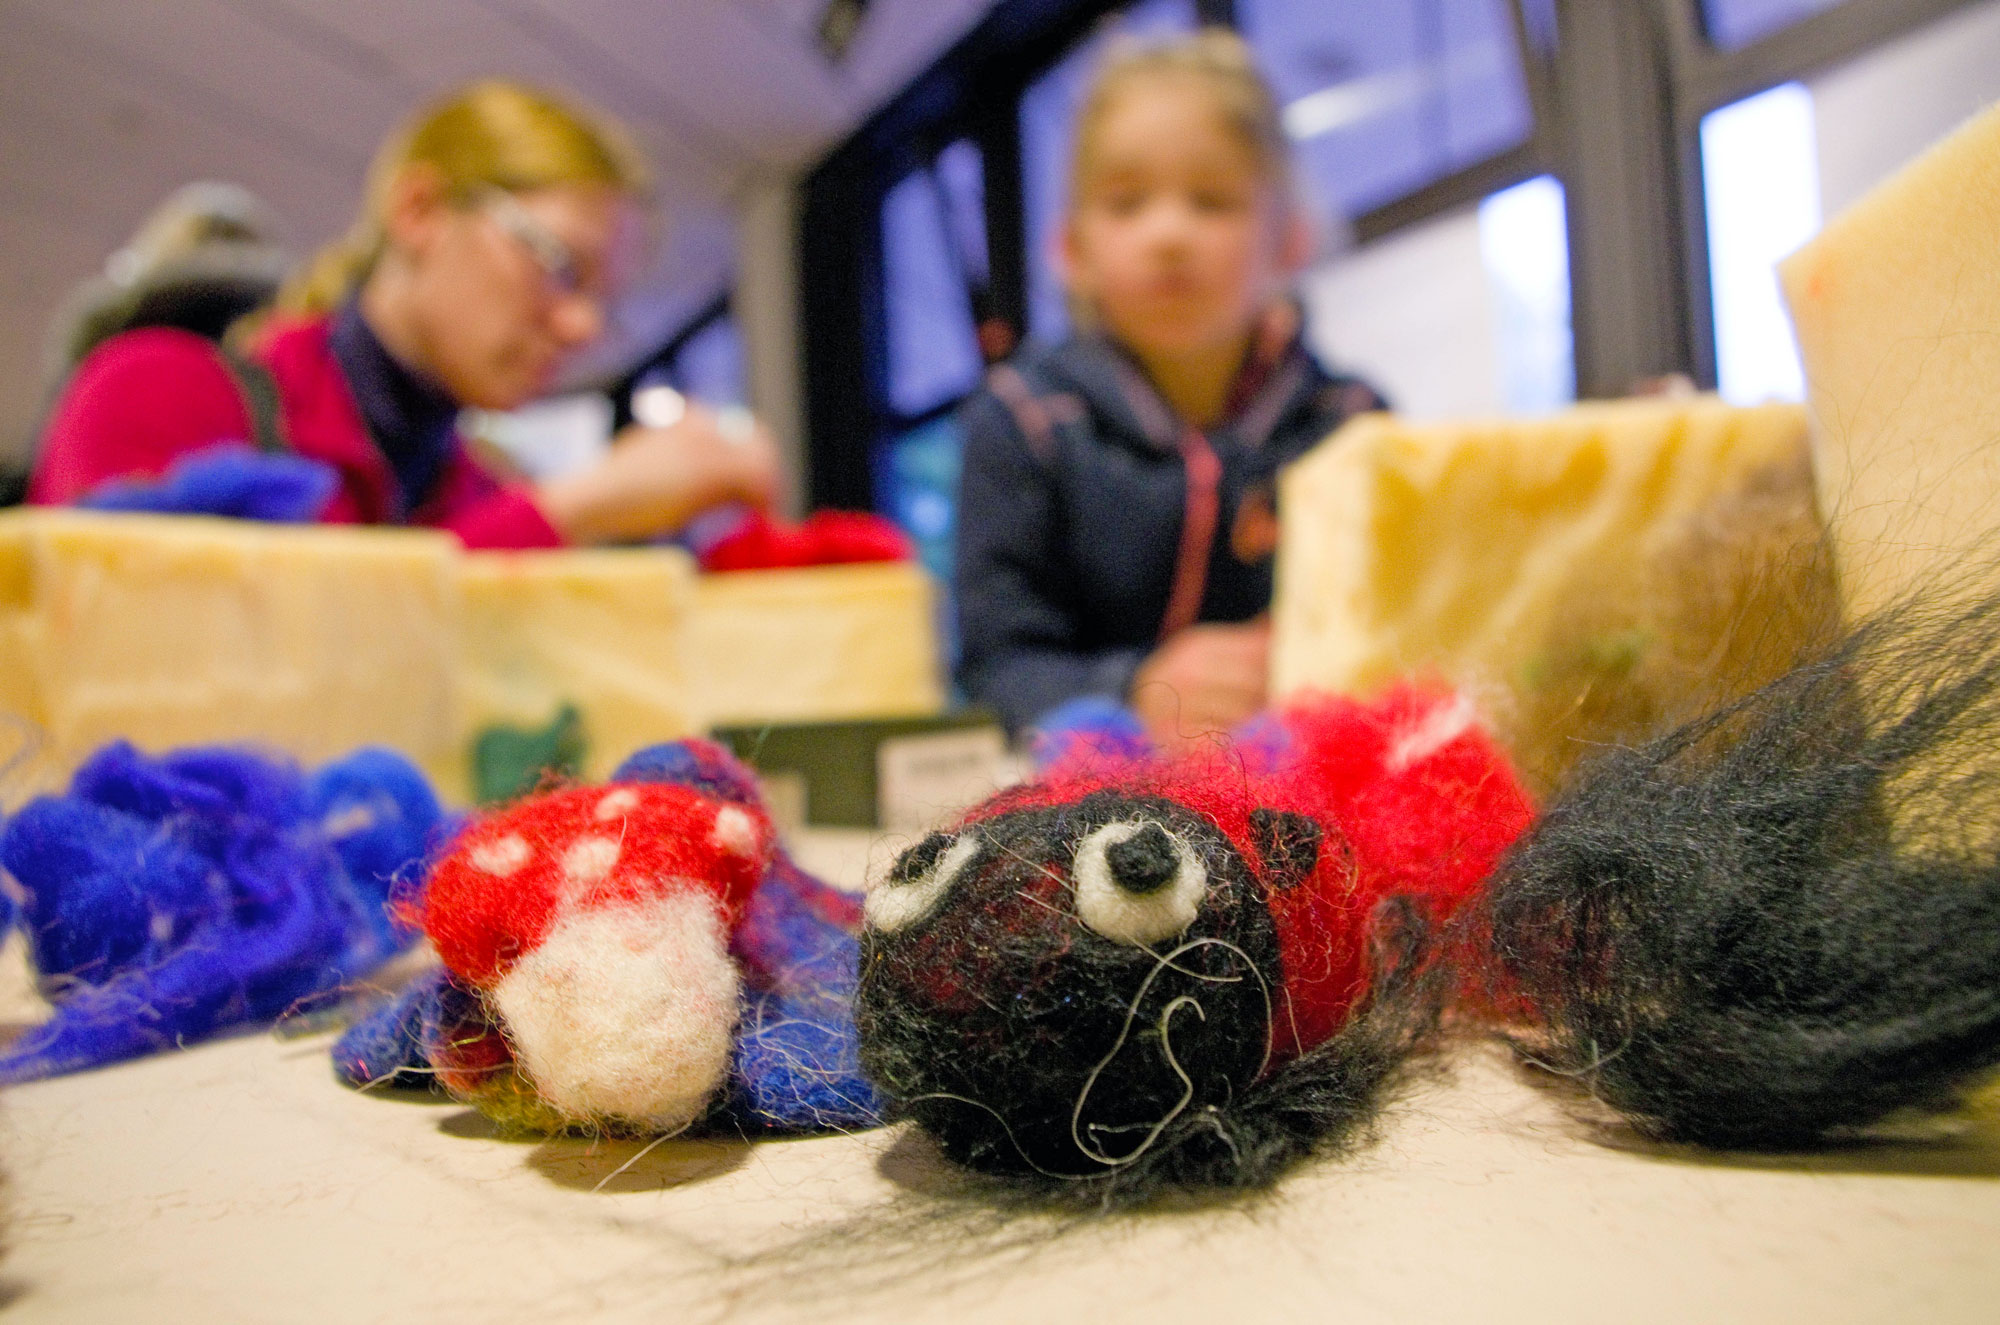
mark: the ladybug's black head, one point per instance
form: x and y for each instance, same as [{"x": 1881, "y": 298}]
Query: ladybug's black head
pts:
[{"x": 1059, "y": 990}]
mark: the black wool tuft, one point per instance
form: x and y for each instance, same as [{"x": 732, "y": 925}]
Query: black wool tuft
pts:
[{"x": 1780, "y": 923}]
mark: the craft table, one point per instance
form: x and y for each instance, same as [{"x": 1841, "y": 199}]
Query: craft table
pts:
[{"x": 236, "y": 1182}]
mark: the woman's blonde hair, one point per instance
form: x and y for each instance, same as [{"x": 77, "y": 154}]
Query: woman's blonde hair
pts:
[
  {"x": 489, "y": 134},
  {"x": 1216, "y": 58}
]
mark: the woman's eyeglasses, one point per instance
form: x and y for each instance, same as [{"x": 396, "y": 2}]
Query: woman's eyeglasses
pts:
[{"x": 550, "y": 251}]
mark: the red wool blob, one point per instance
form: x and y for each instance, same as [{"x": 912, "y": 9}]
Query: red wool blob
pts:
[{"x": 824, "y": 538}]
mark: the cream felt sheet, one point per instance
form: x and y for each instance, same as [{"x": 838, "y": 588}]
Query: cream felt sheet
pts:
[{"x": 1897, "y": 308}]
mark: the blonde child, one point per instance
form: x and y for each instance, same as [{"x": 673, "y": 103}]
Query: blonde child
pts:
[{"x": 1116, "y": 516}]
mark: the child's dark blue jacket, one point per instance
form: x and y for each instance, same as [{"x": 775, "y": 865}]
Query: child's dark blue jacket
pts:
[{"x": 1081, "y": 541}]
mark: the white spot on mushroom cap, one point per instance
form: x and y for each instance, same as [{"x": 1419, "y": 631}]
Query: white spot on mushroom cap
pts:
[
  {"x": 501, "y": 857},
  {"x": 735, "y": 832},
  {"x": 590, "y": 859},
  {"x": 622, "y": 801}
]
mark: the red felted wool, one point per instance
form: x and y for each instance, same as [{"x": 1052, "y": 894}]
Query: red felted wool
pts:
[
  {"x": 1184, "y": 969},
  {"x": 824, "y": 538},
  {"x": 840, "y": 537}
]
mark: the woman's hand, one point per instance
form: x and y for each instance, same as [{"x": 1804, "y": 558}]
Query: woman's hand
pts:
[
  {"x": 1203, "y": 680},
  {"x": 654, "y": 480}
]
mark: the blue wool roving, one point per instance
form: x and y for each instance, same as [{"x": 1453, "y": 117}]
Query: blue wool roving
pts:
[
  {"x": 230, "y": 479},
  {"x": 170, "y": 897},
  {"x": 1095, "y": 727},
  {"x": 798, "y": 1057},
  {"x": 796, "y": 1065},
  {"x": 383, "y": 820},
  {"x": 1089, "y": 726}
]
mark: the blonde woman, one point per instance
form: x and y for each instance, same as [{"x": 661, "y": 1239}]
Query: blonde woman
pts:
[{"x": 483, "y": 257}]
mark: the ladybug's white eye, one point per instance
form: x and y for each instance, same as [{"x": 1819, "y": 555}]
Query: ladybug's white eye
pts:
[
  {"x": 1137, "y": 883},
  {"x": 918, "y": 881}
]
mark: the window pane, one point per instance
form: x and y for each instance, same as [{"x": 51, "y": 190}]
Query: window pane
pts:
[
  {"x": 1761, "y": 180},
  {"x": 1734, "y": 23},
  {"x": 1878, "y": 111},
  {"x": 1048, "y": 115},
  {"x": 962, "y": 175},
  {"x": 1524, "y": 247},
  {"x": 1460, "y": 317},
  {"x": 1774, "y": 164},
  {"x": 1383, "y": 97},
  {"x": 917, "y": 486},
  {"x": 710, "y": 366},
  {"x": 1539, "y": 17},
  {"x": 933, "y": 345}
]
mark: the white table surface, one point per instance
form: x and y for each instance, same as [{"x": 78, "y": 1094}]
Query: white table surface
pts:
[{"x": 238, "y": 1182}]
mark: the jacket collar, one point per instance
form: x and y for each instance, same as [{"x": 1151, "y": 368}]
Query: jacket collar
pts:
[
  {"x": 1277, "y": 370},
  {"x": 411, "y": 419}
]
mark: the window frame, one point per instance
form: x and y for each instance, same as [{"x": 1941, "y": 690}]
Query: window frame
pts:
[
  {"x": 714, "y": 311},
  {"x": 972, "y": 92},
  {"x": 1641, "y": 301},
  {"x": 1625, "y": 147}
]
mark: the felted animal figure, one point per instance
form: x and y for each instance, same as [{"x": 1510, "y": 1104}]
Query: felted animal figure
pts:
[
  {"x": 631, "y": 958},
  {"x": 1142, "y": 971},
  {"x": 170, "y": 897}
]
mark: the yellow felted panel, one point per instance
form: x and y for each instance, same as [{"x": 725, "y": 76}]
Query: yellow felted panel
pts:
[
  {"x": 1897, "y": 305},
  {"x": 313, "y": 640},
  {"x": 171, "y": 630},
  {"x": 600, "y": 630},
  {"x": 1585, "y": 577},
  {"x": 816, "y": 644}
]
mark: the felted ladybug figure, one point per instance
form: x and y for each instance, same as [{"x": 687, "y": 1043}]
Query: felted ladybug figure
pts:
[{"x": 1190, "y": 970}]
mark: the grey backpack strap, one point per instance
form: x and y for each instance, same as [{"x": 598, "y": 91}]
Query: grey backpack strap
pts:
[{"x": 260, "y": 396}]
